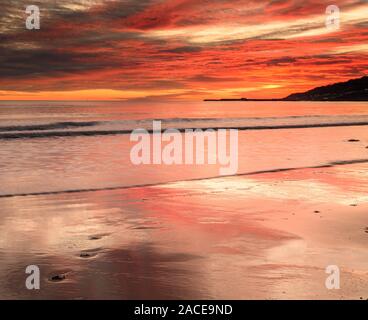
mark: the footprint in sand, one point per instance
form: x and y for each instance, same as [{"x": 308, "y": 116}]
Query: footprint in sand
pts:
[
  {"x": 144, "y": 227},
  {"x": 87, "y": 255},
  {"x": 98, "y": 236},
  {"x": 90, "y": 253},
  {"x": 58, "y": 276}
]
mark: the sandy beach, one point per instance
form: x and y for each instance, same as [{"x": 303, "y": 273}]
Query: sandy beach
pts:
[{"x": 261, "y": 236}]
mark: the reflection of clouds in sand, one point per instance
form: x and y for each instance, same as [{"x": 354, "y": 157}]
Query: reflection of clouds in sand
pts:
[
  {"x": 358, "y": 174},
  {"x": 157, "y": 243},
  {"x": 123, "y": 264},
  {"x": 293, "y": 250},
  {"x": 137, "y": 272},
  {"x": 142, "y": 271},
  {"x": 43, "y": 226},
  {"x": 237, "y": 237},
  {"x": 311, "y": 185}
]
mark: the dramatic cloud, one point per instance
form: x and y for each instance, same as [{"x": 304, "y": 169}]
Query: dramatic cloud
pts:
[{"x": 178, "y": 49}]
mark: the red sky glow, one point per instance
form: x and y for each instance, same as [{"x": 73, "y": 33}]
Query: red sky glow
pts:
[{"x": 178, "y": 49}]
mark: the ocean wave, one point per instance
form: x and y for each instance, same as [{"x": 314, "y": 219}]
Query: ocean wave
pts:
[
  {"x": 48, "y": 126},
  {"x": 42, "y": 132}
]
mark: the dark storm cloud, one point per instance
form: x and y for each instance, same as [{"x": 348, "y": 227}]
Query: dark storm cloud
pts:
[
  {"x": 281, "y": 61},
  {"x": 14, "y": 63},
  {"x": 183, "y": 49},
  {"x": 206, "y": 79}
]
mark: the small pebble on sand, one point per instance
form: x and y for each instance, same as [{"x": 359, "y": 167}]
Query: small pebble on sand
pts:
[
  {"x": 86, "y": 255},
  {"x": 57, "y": 277},
  {"x": 94, "y": 238}
]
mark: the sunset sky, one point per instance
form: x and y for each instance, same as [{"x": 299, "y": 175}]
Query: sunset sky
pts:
[{"x": 178, "y": 49}]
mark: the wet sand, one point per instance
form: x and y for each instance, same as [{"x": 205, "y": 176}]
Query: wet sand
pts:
[{"x": 261, "y": 236}]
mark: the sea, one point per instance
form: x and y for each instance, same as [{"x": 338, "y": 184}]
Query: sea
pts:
[{"x": 65, "y": 146}]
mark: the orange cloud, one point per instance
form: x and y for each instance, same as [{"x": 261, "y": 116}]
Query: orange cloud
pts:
[{"x": 179, "y": 49}]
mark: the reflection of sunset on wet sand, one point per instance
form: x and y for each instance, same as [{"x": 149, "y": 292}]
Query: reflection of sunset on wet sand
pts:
[{"x": 269, "y": 235}]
